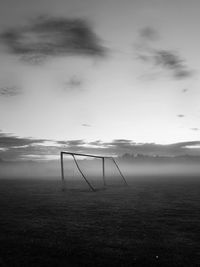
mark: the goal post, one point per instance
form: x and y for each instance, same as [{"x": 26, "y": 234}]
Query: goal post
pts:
[{"x": 73, "y": 155}]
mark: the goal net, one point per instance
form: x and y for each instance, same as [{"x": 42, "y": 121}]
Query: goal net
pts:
[{"x": 79, "y": 167}]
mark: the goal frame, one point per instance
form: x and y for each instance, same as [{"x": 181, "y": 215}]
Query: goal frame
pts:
[{"x": 73, "y": 154}]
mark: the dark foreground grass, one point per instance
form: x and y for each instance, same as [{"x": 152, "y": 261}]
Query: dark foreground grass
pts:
[{"x": 153, "y": 222}]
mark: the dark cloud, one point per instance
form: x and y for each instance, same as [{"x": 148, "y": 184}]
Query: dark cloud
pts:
[
  {"x": 18, "y": 148},
  {"x": 8, "y": 140},
  {"x": 10, "y": 91},
  {"x": 47, "y": 37},
  {"x": 180, "y": 115},
  {"x": 120, "y": 147},
  {"x": 72, "y": 142},
  {"x": 14, "y": 147},
  {"x": 171, "y": 60},
  {"x": 85, "y": 125},
  {"x": 164, "y": 59}
]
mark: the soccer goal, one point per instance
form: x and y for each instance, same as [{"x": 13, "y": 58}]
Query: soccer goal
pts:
[{"x": 102, "y": 158}]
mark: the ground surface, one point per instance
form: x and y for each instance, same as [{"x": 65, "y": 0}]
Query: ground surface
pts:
[{"x": 153, "y": 222}]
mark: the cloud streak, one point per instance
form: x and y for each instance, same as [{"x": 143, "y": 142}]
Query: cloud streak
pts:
[
  {"x": 17, "y": 148},
  {"x": 165, "y": 59},
  {"x": 85, "y": 125},
  {"x": 46, "y": 37},
  {"x": 180, "y": 115},
  {"x": 74, "y": 83},
  {"x": 9, "y": 91},
  {"x": 8, "y": 140},
  {"x": 171, "y": 61}
]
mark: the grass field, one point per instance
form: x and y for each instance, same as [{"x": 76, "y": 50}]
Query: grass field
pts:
[{"x": 153, "y": 222}]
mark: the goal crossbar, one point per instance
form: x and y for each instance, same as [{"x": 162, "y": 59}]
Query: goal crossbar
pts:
[{"x": 62, "y": 153}]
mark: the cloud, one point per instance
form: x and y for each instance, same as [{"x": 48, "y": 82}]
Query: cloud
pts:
[
  {"x": 167, "y": 60},
  {"x": 8, "y": 140},
  {"x": 149, "y": 34},
  {"x": 48, "y": 36},
  {"x": 184, "y": 90},
  {"x": 74, "y": 83},
  {"x": 70, "y": 143},
  {"x": 120, "y": 147},
  {"x": 195, "y": 129},
  {"x": 85, "y": 125},
  {"x": 14, "y": 148},
  {"x": 180, "y": 115},
  {"x": 170, "y": 60},
  {"x": 10, "y": 91},
  {"x": 164, "y": 59}
]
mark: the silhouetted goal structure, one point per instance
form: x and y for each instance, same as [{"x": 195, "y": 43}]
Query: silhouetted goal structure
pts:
[{"x": 103, "y": 158}]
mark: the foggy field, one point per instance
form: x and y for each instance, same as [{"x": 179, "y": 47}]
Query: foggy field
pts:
[{"x": 153, "y": 222}]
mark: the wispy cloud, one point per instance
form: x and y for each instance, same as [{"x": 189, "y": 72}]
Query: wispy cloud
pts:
[
  {"x": 18, "y": 148},
  {"x": 48, "y": 36},
  {"x": 9, "y": 140},
  {"x": 74, "y": 83},
  {"x": 164, "y": 59},
  {"x": 85, "y": 125},
  {"x": 180, "y": 115},
  {"x": 9, "y": 91},
  {"x": 170, "y": 60},
  {"x": 71, "y": 143},
  {"x": 149, "y": 34}
]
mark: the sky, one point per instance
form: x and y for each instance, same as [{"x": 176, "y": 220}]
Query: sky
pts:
[{"x": 94, "y": 75}]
